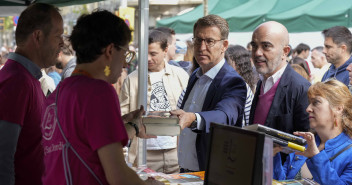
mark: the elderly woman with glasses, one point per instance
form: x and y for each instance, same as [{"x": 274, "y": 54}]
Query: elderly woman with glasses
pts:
[
  {"x": 83, "y": 131},
  {"x": 327, "y": 158}
]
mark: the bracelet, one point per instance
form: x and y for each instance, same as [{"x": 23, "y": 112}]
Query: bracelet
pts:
[{"x": 135, "y": 127}]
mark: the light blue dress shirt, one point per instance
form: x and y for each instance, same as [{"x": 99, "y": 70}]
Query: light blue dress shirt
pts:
[{"x": 187, "y": 154}]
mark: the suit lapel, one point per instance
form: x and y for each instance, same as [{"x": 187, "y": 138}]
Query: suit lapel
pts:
[
  {"x": 254, "y": 102},
  {"x": 214, "y": 87},
  {"x": 280, "y": 93}
]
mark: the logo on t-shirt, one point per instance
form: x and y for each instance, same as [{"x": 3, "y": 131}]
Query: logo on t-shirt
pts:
[
  {"x": 158, "y": 98},
  {"x": 49, "y": 122}
]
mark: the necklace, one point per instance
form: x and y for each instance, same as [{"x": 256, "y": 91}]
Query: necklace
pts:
[{"x": 81, "y": 72}]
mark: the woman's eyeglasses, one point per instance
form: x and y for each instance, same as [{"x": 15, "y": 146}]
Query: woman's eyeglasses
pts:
[{"x": 128, "y": 54}]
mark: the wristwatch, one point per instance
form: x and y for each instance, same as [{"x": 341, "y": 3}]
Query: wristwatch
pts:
[
  {"x": 194, "y": 123},
  {"x": 135, "y": 127}
]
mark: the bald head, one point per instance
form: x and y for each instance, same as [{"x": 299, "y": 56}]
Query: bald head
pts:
[
  {"x": 276, "y": 29},
  {"x": 270, "y": 47}
]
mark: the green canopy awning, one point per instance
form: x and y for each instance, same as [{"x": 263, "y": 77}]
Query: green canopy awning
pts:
[{"x": 246, "y": 15}]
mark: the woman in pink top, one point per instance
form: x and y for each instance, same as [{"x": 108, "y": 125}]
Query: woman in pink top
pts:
[{"x": 83, "y": 131}]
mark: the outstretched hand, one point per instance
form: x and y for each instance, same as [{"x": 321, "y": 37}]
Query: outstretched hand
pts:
[
  {"x": 186, "y": 118},
  {"x": 131, "y": 116},
  {"x": 136, "y": 117},
  {"x": 142, "y": 131},
  {"x": 312, "y": 148}
]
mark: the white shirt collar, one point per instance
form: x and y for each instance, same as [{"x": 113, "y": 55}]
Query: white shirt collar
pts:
[
  {"x": 276, "y": 76},
  {"x": 269, "y": 83},
  {"x": 213, "y": 71}
]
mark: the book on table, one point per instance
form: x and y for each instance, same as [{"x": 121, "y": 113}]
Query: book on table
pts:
[
  {"x": 303, "y": 181},
  {"x": 161, "y": 123},
  {"x": 289, "y": 142},
  {"x": 193, "y": 178}
]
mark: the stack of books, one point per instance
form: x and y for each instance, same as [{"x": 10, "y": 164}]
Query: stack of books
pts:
[
  {"x": 161, "y": 123},
  {"x": 289, "y": 142}
]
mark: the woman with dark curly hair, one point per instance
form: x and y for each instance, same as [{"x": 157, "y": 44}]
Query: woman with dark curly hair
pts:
[{"x": 240, "y": 59}]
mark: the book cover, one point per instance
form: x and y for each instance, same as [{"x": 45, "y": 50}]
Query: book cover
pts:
[
  {"x": 194, "y": 178},
  {"x": 295, "y": 182},
  {"x": 287, "y": 144},
  {"x": 277, "y": 133},
  {"x": 288, "y": 147},
  {"x": 199, "y": 176}
]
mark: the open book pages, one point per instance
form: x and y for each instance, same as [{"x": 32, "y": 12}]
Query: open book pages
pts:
[{"x": 161, "y": 123}]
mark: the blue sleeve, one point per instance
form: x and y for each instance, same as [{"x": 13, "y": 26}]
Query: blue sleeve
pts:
[
  {"x": 279, "y": 172},
  {"x": 289, "y": 169},
  {"x": 324, "y": 172},
  {"x": 230, "y": 106}
]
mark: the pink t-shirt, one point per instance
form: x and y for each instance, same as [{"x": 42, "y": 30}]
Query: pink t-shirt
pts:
[
  {"x": 89, "y": 113},
  {"x": 21, "y": 102}
]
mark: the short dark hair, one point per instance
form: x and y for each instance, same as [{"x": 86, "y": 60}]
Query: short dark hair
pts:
[
  {"x": 340, "y": 35},
  {"x": 156, "y": 36},
  {"x": 213, "y": 20},
  {"x": 169, "y": 33},
  {"x": 34, "y": 17},
  {"x": 240, "y": 57},
  {"x": 93, "y": 32},
  {"x": 301, "y": 62},
  {"x": 302, "y": 47},
  {"x": 67, "y": 47},
  {"x": 300, "y": 70},
  {"x": 318, "y": 48}
]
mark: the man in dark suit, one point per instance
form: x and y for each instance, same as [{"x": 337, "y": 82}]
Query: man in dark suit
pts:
[
  {"x": 215, "y": 93},
  {"x": 281, "y": 97}
]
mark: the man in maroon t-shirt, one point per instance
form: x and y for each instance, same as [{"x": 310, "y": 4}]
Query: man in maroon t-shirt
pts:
[{"x": 38, "y": 38}]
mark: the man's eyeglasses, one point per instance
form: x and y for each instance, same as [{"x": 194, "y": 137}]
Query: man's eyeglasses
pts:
[
  {"x": 208, "y": 42},
  {"x": 128, "y": 54}
]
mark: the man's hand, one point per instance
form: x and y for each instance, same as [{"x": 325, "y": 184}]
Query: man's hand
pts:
[{"x": 186, "y": 118}]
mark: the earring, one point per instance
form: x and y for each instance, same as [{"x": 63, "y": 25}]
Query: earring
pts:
[
  {"x": 335, "y": 123},
  {"x": 107, "y": 71}
]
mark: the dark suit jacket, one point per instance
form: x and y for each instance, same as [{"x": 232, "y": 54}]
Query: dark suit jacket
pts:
[
  {"x": 288, "y": 109},
  {"x": 224, "y": 103}
]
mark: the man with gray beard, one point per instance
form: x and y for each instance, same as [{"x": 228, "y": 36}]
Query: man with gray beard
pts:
[{"x": 281, "y": 98}]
